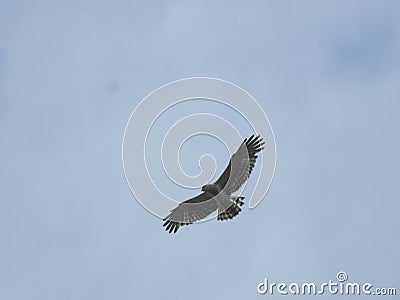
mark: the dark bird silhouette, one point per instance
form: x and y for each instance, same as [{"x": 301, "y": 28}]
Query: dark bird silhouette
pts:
[{"x": 218, "y": 195}]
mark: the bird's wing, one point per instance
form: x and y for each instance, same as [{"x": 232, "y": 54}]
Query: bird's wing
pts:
[
  {"x": 190, "y": 211},
  {"x": 241, "y": 165}
]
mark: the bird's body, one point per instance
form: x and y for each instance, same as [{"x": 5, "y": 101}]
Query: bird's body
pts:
[{"x": 218, "y": 195}]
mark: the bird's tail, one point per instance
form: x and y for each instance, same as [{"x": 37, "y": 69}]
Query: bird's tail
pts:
[{"x": 232, "y": 210}]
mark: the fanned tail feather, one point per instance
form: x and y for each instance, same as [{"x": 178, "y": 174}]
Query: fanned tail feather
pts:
[{"x": 231, "y": 211}]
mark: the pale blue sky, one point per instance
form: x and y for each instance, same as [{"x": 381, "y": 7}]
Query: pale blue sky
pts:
[{"x": 327, "y": 75}]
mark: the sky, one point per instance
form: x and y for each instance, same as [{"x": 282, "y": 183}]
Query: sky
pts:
[{"x": 326, "y": 74}]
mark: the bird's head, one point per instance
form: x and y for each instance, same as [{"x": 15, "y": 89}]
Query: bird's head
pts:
[
  {"x": 206, "y": 188},
  {"x": 212, "y": 189}
]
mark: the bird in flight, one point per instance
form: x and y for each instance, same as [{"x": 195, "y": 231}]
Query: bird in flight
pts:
[{"x": 218, "y": 195}]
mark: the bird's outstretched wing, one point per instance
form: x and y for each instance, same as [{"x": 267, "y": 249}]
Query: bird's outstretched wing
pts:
[
  {"x": 241, "y": 165},
  {"x": 190, "y": 211}
]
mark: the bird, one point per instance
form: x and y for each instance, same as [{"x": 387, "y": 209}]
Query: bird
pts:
[{"x": 218, "y": 195}]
